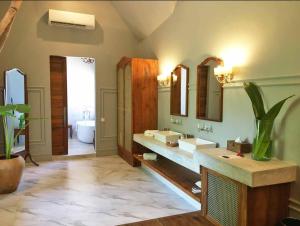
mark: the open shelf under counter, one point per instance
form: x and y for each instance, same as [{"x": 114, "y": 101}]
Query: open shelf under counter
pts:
[
  {"x": 178, "y": 175},
  {"x": 174, "y": 154}
]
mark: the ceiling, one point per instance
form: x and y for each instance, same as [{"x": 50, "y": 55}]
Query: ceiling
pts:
[{"x": 144, "y": 17}]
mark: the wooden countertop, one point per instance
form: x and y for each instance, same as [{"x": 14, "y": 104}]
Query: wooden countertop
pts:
[
  {"x": 245, "y": 169},
  {"x": 187, "y": 219}
]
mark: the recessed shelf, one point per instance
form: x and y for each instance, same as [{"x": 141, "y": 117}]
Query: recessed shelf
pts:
[{"x": 178, "y": 175}]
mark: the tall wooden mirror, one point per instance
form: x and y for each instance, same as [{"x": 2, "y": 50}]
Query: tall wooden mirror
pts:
[
  {"x": 209, "y": 91},
  {"x": 179, "y": 91},
  {"x": 15, "y": 92}
]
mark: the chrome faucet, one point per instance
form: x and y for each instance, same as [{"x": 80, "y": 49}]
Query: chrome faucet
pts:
[
  {"x": 205, "y": 128},
  {"x": 186, "y": 135}
]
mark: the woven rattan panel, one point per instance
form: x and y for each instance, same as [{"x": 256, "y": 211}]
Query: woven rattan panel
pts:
[{"x": 222, "y": 201}]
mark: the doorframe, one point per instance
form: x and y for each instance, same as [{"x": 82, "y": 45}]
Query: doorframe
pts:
[{"x": 66, "y": 102}]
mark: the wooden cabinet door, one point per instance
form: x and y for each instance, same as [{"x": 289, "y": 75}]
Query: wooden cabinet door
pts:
[
  {"x": 59, "y": 114},
  {"x": 144, "y": 94}
]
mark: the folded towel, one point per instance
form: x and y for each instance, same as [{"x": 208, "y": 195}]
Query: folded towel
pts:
[
  {"x": 198, "y": 184},
  {"x": 149, "y": 156},
  {"x": 196, "y": 189},
  {"x": 150, "y": 133}
]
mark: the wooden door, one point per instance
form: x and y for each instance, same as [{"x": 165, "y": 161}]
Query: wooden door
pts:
[{"x": 59, "y": 114}]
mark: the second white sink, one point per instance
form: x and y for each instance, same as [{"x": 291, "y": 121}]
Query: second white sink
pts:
[
  {"x": 191, "y": 144},
  {"x": 167, "y": 136}
]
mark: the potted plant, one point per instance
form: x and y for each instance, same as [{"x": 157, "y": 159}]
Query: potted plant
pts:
[
  {"x": 11, "y": 166},
  {"x": 262, "y": 144}
]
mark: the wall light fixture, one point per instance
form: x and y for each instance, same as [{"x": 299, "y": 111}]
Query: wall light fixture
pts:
[
  {"x": 223, "y": 74},
  {"x": 164, "y": 80}
]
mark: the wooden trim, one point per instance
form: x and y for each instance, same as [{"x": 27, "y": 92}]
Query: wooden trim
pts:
[
  {"x": 198, "y": 107},
  {"x": 215, "y": 59},
  {"x": 124, "y": 68},
  {"x": 187, "y": 90},
  {"x": 26, "y": 116},
  {"x": 243, "y": 193},
  {"x": 204, "y": 187},
  {"x": 123, "y": 62}
]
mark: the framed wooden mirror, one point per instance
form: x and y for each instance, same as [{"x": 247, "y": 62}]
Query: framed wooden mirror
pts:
[
  {"x": 179, "y": 91},
  {"x": 15, "y": 92},
  {"x": 209, "y": 91}
]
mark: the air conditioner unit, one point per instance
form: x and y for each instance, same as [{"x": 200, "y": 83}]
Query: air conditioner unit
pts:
[{"x": 71, "y": 19}]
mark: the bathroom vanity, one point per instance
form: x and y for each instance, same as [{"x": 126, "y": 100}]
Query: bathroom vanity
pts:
[{"x": 236, "y": 191}]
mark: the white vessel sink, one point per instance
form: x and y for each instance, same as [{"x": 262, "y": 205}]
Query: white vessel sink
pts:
[
  {"x": 191, "y": 144},
  {"x": 167, "y": 136}
]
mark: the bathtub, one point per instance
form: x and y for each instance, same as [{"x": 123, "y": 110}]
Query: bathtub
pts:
[{"x": 85, "y": 131}]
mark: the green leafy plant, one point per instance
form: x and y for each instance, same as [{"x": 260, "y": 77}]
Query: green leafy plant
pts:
[
  {"x": 262, "y": 144},
  {"x": 8, "y": 111},
  {"x": 22, "y": 121}
]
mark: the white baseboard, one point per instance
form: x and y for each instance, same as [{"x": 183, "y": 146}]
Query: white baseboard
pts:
[
  {"x": 106, "y": 152},
  {"x": 41, "y": 158}
]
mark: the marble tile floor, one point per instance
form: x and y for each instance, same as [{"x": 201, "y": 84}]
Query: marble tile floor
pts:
[
  {"x": 75, "y": 147},
  {"x": 99, "y": 191}
]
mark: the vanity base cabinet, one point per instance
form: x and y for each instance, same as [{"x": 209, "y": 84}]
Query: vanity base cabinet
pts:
[
  {"x": 137, "y": 102},
  {"x": 226, "y": 202}
]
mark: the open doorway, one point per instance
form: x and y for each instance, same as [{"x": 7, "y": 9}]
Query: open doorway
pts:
[{"x": 72, "y": 105}]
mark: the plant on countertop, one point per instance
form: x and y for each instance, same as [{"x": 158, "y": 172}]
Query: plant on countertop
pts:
[
  {"x": 6, "y": 112},
  {"x": 262, "y": 144}
]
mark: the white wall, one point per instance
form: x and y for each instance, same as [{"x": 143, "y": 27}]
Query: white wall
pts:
[
  {"x": 81, "y": 89},
  {"x": 263, "y": 40},
  {"x": 32, "y": 41}
]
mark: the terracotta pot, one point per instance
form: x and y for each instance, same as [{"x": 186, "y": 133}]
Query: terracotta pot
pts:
[{"x": 11, "y": 171}]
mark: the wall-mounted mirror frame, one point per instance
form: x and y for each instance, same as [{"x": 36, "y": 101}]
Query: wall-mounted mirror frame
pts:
[
  {"x": 179, "y": 96},
  {"x": 16, "y": 80},
  {"x": 205, "y": 80}
]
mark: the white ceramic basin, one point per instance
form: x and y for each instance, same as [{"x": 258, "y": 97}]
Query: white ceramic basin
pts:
[
  {"x": 167, "y": 136},
  {"x": 191, "y": 144}
]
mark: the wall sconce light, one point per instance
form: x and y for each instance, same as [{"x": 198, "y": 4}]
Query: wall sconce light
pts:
[
  {"x": 223, "y": 74},
  {"x": 164, "y": 80}
]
